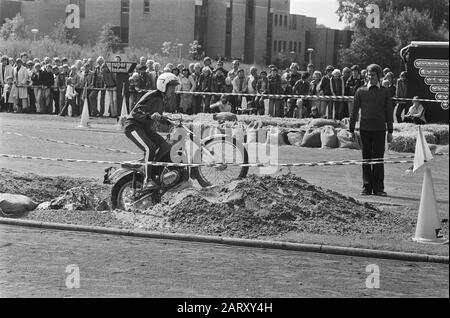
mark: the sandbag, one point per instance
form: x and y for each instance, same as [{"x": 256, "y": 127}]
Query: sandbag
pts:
[
  {"x": 276, "y": 137},
  {"x": 345, "y": 140},
  {"x": 295, "y": 138},
  {"x": 311, "y": 139},
  {"x": 320, "y": 122},
  {"x": 16, "y": 204},
  {"x": 256, "y": 133},
  {"x": 328, "y": 137},
  {"x": 225, "y": 116}
]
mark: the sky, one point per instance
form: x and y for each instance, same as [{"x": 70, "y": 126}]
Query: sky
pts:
[{"x": 323, "y": 10}]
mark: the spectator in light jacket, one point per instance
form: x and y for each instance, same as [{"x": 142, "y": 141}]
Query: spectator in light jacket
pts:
[{"x": 22, "y": 79}]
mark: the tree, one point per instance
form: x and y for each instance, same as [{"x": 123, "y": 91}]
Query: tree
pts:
[
  {"x": 14, "y": 28},
  {"x": 170, "y": 48},
  {"x": 398, "y": 27},
  {"x": 107, "y": 38},
  {"x": 351, "y": 10},
  {"x": 195, "y": 50},
  {"x": 59, "y": 31}
]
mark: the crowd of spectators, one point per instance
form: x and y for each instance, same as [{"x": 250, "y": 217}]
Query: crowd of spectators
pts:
[{"x": 51, "y": 85}]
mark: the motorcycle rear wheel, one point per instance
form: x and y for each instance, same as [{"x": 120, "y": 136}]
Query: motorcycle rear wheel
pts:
[{"x": 122, "y": 194}]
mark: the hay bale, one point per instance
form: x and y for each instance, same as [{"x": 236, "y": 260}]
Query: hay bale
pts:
[
  {"x": 406, "y": 141},
  {"x": 441, "y": 132},
  {"x": 328, "y": 137}
]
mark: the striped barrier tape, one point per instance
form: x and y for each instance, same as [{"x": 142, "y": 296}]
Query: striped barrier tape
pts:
[
  {"x": 306, "y": 97},
  {"x": 135, "y": 153},
  {"x": 274, "y": 96},
  {"x": 71, "y": 143},
  {"x": 218, "y": 165}
]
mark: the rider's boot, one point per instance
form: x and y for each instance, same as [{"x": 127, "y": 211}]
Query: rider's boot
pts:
[{"x": 149, "y": 184}]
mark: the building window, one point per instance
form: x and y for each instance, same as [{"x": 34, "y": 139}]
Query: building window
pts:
[
  {"x": 285, "y": 21},
  {"x": 294, "y": 22},
  {"x": 276, "y": 19},
  {"x": 280, "y": 43},
  {"x": 275, "y": 45},
  {"x": 284, "y": 46},
  {"x": 250, "y": 10},
  {"x": 300, "y": 47},
  {"x": 295, "y": 47},
  {"x": 125, "y": 7},
  {"x": 290, "y": 46},
  {"x": 146, "y": 6}
]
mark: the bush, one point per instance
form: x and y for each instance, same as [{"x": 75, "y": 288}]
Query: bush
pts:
[{"x": 406, "y": 141}]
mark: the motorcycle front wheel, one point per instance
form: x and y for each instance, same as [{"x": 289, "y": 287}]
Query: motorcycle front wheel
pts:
[{"x": 225, "y": 151}]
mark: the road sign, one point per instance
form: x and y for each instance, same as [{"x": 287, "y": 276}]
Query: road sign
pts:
[{"x": 121, "y": 67}]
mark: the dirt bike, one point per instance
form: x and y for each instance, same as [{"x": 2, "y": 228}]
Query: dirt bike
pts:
[{"x": 128, "y": 190}]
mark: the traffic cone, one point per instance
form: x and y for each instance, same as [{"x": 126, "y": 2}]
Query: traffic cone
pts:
[
  {"x": 85, "y": 115},
  {"x": 124, "y": 111},
  {"x": 428, "y": 222}
]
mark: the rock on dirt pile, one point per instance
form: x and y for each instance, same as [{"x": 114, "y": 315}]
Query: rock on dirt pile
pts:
[{"x": 258, "y": 207}]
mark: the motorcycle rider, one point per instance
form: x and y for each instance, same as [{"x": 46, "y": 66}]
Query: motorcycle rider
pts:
[{"x": 139, "y": 125}]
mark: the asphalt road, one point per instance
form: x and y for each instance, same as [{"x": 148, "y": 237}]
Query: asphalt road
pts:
[{"x": 42, "y": 263}]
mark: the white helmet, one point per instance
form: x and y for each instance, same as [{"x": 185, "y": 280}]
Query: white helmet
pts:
[{"x": 166, "y": 79}]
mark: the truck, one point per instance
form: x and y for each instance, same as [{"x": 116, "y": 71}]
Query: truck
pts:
[{"x": 427, "y": 69}]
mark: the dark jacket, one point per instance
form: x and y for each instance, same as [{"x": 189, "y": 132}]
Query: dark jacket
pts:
[
  {"x": 376, "y": 109},
  {"x": 36, "y": 78},
  {"x": 275, "y": 85},
  {"x": 292, "y": 80},
  {"x": 353, "y": 83},
  {"x": 218, "y": 84},
  {"x": 109, "y": 78},
  {"x": 140, "y": 115},
  {"x": 325, "y": 86},
  {"x": 301, "y": 88},
  {"x": 206, "y": 83},
  {"x": 48, "y": 79},
  {"x": 259, "y": 86}
]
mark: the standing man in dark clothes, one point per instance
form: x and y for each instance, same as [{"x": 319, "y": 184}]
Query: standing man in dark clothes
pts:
[
  {"x": 326, "y": 90},
  {"x": 123, "y": 87},
  {"x": 375, "y": 103}
]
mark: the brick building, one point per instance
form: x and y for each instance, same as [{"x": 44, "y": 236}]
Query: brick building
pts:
[{"x": 255, "y": 31}]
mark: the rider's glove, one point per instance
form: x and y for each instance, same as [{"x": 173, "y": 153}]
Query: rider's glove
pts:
[{"x": 156, "y": 116}]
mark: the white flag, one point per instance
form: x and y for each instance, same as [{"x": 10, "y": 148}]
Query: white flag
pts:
[{"x": 423, "y": 152}]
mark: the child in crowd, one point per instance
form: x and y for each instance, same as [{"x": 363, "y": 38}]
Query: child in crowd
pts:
[
  {"x": 300, "y": 110},
  {"x": 70, "y": 100},
  {"x": 314, "y": 112},
  {"x": 6, "y": 93}
]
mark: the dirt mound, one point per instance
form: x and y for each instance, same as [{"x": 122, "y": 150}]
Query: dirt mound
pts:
[
  {"x": 258, "y": 207},
  {"x": 42, "y": 188},
  {"x": 77, "y": 199}
]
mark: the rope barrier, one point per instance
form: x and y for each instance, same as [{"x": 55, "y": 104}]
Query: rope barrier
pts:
[
  {"x": 70, "y": 143},
  {"x": 216, "y": 165},
  {"x": 270, "y": 96}
]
